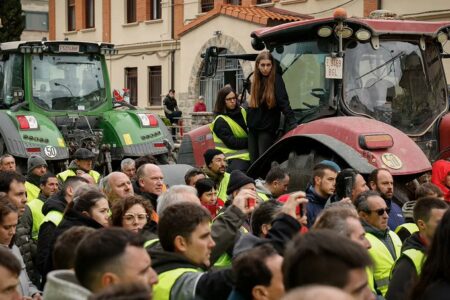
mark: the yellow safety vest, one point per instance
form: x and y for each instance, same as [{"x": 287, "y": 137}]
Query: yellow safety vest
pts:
[
  {"x": 411, "y": 227},
  {"x": 238, "y": 132},
  {"x": 370, "y": 279},
  {"x": 150, "y": 243},
  {"x": 53, "y": 216},
  {"x": 222, "y": 190},
  {"x": 32, "y": 191},
  {"x": 263, "y": 196},
  {"x": 417, "y": 257},
  {"x": 161, "y": 290},
  {"x": 68, "y": 173},
  {"x": 35, "y": 206},
  {"x": 383, "y": 260}
]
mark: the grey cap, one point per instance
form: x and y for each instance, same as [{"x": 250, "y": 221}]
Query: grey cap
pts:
[
  {"x": 83, "y": 154},
  {"x": 35, "y": 161}
]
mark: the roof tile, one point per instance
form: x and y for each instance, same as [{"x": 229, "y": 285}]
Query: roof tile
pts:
[{"x": 254, "y": 14}]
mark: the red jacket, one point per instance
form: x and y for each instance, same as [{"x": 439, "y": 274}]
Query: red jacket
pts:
[
  {"x": 198, "y": 107},
  {"x": 439, "y": 171}
]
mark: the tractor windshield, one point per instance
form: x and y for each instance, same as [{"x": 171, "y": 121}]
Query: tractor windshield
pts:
[
  {"x": 68, "y": 82},
  {"x": 11, "y": 80},
  {"x": 303, "y": 67},
  {"x": 398, "y": 84}
]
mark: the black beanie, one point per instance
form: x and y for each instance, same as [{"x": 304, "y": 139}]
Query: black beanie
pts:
[
  {"x": 209, "y": 155},
  {"x": 237, "y": 180}
]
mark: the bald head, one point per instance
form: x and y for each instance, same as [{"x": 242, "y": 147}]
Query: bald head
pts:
[
  {"x": 317, "y": 292},
  {"x": 117, "y": 185},
  {"x": 150, "y": 179}
]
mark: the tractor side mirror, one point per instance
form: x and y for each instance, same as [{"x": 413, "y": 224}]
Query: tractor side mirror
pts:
[{"x": 210, "y": 60}]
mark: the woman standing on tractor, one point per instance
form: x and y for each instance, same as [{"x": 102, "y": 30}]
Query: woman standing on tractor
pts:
[
  {"x": 229, "y": 129},
  {"x": 267, "y": 99}
]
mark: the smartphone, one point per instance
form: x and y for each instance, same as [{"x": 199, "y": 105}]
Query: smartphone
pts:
[
  {"x": 300, "y": 211},
  {"x": 348, "y": 186}
]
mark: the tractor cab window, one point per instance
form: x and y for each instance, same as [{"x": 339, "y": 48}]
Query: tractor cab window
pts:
[
  {"x": 68, "y": 82},
  {"x": 303, "y": 67},
  {"x": 11, "y": 79},
  {"x": 398, "y": 84}
]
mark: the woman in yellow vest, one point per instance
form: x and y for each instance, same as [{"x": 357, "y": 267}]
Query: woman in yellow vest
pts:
[{"x": 229, "y": 129}]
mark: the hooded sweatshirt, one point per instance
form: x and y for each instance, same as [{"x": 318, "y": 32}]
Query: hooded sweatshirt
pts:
[
  {"x": 439, "y": 171},
  {"x": 404, "y": 272},
  {"x": 315, "y": 205},
  {"x": 63, "y": 285}
]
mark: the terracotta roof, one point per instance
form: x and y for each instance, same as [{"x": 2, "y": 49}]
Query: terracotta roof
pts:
[{"x": 259, "y": 15}]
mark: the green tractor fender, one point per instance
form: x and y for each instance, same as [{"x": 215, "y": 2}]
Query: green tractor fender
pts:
[
  {"x": 134, "y": 133},
  {"x": 41, "y": 137}
]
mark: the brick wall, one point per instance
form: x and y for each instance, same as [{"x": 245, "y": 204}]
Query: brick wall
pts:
[
  {"x": 51, "y": 20},
  {"x": 106, "y": 19},
  {"x": 178, "y": 16},
  {"x": 369, "y": 6},
  {"x": 248, "y": 2}
]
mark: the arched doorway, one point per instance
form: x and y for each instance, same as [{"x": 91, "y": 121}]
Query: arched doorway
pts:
[{"x": 229, "y": 71}]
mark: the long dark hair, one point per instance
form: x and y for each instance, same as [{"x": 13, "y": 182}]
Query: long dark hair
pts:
[
  {"x": 220, "y": 107},
  {"x": 263, "y": 93},
  {"x": 437, "y": 263},
  {"x": 85, "y": 200}
]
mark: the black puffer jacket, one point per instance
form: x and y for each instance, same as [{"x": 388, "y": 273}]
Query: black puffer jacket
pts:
[
  {"x": 56, "y": 202},
  {"x": 71, "y": 219},
  {"x": 27, "y": 245}
]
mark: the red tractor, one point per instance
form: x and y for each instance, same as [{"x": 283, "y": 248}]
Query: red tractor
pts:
[{"x": 367, "y": 93}]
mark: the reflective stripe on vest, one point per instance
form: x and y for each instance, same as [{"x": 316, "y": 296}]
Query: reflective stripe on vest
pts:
[
  {"x": 68, "y": 173},
  {"x": 222, "y": 190},
  {"x": 161, "y": 290},
  {"x": 417, "y": 257},
  {"x": 383, "y": 260},
  {"x": 370, "y": 279},
  {"x": 263, "y": 196},
  {"x": 411, "y": 227},
  {"x": 150, "y": 243},
  {"x": 35, "y": 206},
  {"x": 237, "y": 131},
  {"x": 32, "y": 191},
  {"x": 53, "y": 216}
]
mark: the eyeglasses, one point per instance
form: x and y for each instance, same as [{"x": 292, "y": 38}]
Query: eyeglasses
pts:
[
  {"x": 381, "y": 211},
  {"x": 230, "y": 98},
  {"x": 140, "y": 218}
]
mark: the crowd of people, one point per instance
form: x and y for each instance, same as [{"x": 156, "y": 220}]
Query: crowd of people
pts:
[{"x": 220, "y": 235}]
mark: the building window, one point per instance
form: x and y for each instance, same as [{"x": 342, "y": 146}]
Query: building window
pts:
[
  {"x": 36, "y": 21},
  {"x": 131, "y": 83},
  {"x": 207, "y": 5},
  {"x": 263, "y": 1},
  {"x": 155, "y": 9},
  {"x": 70, "y": 15},
  {"x": 154, "y": 85},
  {"x": 131, "y": 11},
  {"x": 89, "y": 13},
  {"x": 234, "y": 2}
]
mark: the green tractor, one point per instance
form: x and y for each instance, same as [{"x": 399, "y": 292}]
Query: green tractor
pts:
[{"x": 55, "y": 97}]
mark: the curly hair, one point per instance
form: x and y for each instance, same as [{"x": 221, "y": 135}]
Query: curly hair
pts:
[{"x": 121, "y": 206}]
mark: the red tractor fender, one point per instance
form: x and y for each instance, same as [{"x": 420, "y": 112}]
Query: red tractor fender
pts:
[
  {"x": 341, "y": 138},
  {"x": 444, "y": 137},
  {"x": 194, "y": 144}
]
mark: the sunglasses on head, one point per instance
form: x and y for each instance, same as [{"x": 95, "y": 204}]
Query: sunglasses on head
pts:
[{"x": 381, "y": 211}]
